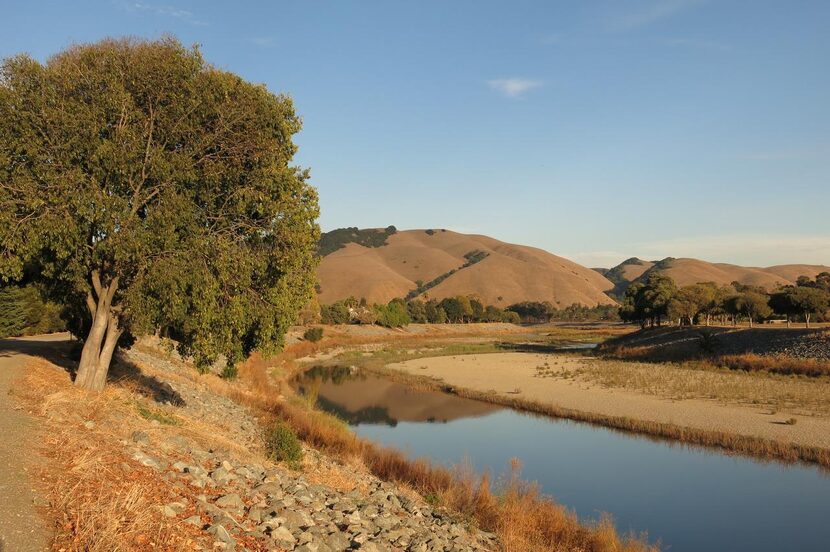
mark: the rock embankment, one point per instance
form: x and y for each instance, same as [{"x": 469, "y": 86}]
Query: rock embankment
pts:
[
  {"x": 672, "y": 343},
  {"x": 249, "y": 503}
]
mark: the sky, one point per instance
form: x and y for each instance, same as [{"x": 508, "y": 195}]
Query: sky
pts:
[{"x": 597, "y": 130}]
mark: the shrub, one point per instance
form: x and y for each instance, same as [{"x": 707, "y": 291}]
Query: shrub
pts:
[
  {"x": 229, "y": 371},
  {"x": 313, "y": 334},
  {"x": 282, "y": 444}
]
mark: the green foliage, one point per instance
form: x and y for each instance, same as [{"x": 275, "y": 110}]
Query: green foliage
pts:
[
  {"x": 282, "y": 444},
  {"x": 156, "y": 414},
  {"x": 648, "y": 301},
  {"x": 229, "y": 371},
  {"x": 394, "y": 314},
  {"x": 313, "y": 334},
  {"x": 369, "y": 237},
  {"x": 336, "y": 313},
  {"x": 803, "y": 300},
  {"x": 171, "y": 179},
  {"x": 533, "y": 312},
  {"x": 23, "y": 311}
]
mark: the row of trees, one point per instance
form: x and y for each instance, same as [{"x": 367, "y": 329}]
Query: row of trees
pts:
[
  {"x": 534, "y": 312},
  {"x": 659, "y": 298},
  {"x": 399, "y": 312},
  {"x": 459, "y": 310}
]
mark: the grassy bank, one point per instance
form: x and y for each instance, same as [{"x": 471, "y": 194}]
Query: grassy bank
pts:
[
  {"x": 755, "y": 447},
  {"x": 514, "y": 510}
]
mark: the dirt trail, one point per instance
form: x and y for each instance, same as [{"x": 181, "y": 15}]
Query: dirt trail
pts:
[{"x": 21, "y": 527}]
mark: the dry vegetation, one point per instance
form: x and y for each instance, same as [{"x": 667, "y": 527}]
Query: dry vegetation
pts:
[
  {"x": 523, "y": 519},
  {"x": 100, "y": 499},
  {"x": 701, "y": 380},
  {"x": 755, "y": 447},
  {"x": 746, "y": 362}
]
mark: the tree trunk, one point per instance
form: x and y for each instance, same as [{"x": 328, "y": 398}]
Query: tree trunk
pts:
[
  {"x": 102, "y": 339},
  {"x": 807, "y": 319},
  {"x": 750, "y": 321}
]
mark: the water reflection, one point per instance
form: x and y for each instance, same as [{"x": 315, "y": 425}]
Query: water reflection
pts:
[
  {"x": 691, "y": 499},
  {"x": 360, "y": 398}
]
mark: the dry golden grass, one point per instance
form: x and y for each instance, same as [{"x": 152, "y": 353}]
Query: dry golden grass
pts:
[
  {"x": 696, "y": 380},
  {"x": 775, "y": 364},
  {"x": 522, "y": 519},
  {"x": 100, "y": 499},
  {"x": 756, "y": 447}
]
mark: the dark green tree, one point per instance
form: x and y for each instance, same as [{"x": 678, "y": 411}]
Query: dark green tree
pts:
[
  {"x": 150, "y": 189},
  {"x": 752, "y": 304},
  {"x": 808, "y": 301}
]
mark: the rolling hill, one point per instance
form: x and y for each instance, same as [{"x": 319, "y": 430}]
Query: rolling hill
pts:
[
  {"x": 381, "y": 264},
  {"x": 691, "y": 271}
]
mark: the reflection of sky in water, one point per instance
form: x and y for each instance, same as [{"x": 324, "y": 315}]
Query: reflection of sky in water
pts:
[{"x": 692, "y": 499}]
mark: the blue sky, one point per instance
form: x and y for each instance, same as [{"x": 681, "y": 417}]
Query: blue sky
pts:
[{"x": 597, "y": 130}]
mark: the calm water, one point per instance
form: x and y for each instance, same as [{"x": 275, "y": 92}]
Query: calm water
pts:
[{"x": 691, "y": 499}]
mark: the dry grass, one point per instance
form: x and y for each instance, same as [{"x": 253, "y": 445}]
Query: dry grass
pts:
[
  {"x": 522, "y": 519},
  {"x": 755, "y": 447},
  {"x": 100, "y": 500},
  {"x": 696, "y": 380},
  {"x": 783, "y": 365}
]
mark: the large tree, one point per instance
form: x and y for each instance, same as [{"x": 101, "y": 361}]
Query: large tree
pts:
[
  {"x": 147, "y": 189},
  {"x": 808, "y": 301}
]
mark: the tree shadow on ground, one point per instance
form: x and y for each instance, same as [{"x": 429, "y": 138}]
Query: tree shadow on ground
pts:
[{"x": 64, "y": 352}]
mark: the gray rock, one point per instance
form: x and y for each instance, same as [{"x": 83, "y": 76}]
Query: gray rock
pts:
[
  {"x": 283, "y": 537},
  {"x": 230, "y": 502},
  {"x": 221, "y": 534},
  {"x": 194, "y": 520},
  {"x": 140, "y": 437}
]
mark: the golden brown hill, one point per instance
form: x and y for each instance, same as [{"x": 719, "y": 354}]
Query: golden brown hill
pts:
[
  {"x": 691, "y": 271},
  {"x": 507, "y": 274}
]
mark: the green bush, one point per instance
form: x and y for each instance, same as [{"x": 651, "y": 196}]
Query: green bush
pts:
[
  {"x": 282, "y": 444},
  {"x": 313, "y": 334},
  {"x": 229, "y": 372}
]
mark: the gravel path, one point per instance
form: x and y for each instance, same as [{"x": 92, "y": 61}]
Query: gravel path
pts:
[{"x": 21, "y": 528}]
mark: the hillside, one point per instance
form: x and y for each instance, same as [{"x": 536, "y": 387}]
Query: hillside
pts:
[
  {"x": 691, "y": 271},
  {"x": 445, "y": 263}
]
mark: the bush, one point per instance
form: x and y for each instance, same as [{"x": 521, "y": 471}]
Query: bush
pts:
[
  {"x": 282, "y": 444},
  {"x": 313, "y": 334}
]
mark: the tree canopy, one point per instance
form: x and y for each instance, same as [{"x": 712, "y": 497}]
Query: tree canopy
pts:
[{"x": 147, "y": 189}]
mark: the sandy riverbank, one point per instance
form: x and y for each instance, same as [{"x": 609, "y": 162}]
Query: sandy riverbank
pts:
[{"x": 516, "y": 376}]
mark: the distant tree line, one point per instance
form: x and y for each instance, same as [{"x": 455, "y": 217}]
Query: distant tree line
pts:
[
  {"x": 658, "y": 299},
  {"x": 401, "y": 312},
  {"x": 460, "y": 309},
  {"x": 534, "y": 312}
]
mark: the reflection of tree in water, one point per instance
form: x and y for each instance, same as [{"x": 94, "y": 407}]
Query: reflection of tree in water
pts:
[
  {"x": 336, "y": 374},
  {"x": 368, "y": 415},
  {"x": 309, "y": 382}
]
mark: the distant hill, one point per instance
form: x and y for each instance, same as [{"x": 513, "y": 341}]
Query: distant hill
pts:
[
  {"x": 692, "y": 271},
  {"x": 381, "y": 264}
]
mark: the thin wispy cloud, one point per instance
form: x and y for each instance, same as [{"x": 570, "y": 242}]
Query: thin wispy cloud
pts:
[
  {"x": 652, "y": 12},
  {"x": 165, "y": 10},
  {"x": 262, "y": 41},
  {"x": 514, "y": 87}
]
